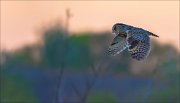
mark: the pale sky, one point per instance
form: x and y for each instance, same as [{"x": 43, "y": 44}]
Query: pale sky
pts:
[{"x": 21, "y": 19}]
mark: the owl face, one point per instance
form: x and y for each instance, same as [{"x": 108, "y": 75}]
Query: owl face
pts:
[{"x": 120, "y": 28}]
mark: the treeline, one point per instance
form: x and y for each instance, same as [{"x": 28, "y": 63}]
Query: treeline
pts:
[{"x": 81, "y": 51}]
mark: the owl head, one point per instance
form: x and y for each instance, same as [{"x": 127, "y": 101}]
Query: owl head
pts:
[{"x": 120, "y": 28}]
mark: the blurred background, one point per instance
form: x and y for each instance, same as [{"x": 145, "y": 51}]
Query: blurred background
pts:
[{"x": 56, "y": 52}]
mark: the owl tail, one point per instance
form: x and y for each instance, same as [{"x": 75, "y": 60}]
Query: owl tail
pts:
[{"x": 154, "y": 35}]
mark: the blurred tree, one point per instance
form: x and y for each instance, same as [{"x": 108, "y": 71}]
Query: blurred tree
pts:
[
  {"x": 158, "y": 59},
  {"x": 87, "y": 51},
  {"x": 54, "y": 47},
  {"x": 80, "y": 56},
  {"x": 55, "y": 51},
  {"x": 99, "y": 46},
  {"x": 22, "y": 56}
]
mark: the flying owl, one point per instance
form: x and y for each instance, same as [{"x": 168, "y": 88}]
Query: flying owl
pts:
[{"x": 135, "y": 39}]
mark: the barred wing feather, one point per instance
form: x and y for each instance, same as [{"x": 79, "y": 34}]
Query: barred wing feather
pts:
[
  {"x": 118, "y": 45},
  {"x": 139, "y": 46}
]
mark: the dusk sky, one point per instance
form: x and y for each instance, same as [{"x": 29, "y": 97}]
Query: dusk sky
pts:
[{"x": 21, "y": 19}]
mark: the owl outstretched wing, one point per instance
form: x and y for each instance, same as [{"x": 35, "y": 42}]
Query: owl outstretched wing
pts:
[
  {"x": 138, "y": 44},
  {"x": 117, "y": 46}
]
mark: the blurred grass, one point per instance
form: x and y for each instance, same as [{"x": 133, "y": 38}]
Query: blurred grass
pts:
[
  {"x": 170, "y": 95},
  {"x": 159, "y": 93},
  {"x": 102, "y": 97},
  {"x": 16, "y": 90},
  {"x": 85, "y": 52}
]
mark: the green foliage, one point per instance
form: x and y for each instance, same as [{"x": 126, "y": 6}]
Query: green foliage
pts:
[
  {"x": 15, "y": 90},
  {"x": 81, "y": 40},
  {"x": 169, "y": 69},
  {"x": 167, "y": 57},
  {"x": 170, "y": 95},
  {"x": 80, "y": 55},
  {"x": 19, "y": 57},
  {"x": 55, "y": 47},
  {"x": 121, "y": 63},
  {"x": 80, "y": 52},
  {"x": 102, "y": 97}
]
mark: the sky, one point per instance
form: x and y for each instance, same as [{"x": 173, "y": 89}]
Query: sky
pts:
[{"x": 21, "y": 19}]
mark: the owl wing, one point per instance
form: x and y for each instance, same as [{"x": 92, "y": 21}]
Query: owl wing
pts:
[
  {"x": 117, "y": 46},
  {"x": 138, "y": 45}
]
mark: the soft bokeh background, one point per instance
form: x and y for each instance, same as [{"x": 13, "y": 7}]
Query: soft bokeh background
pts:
[{"x": 55, "y": 51}]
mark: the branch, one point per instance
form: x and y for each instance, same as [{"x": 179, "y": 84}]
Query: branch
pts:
[
  {"x": 75, "y": 89},
  {"x": 150, "y": 84},
  {"x": 61, "y": 71},
  {"x": 96, "y": 70}
]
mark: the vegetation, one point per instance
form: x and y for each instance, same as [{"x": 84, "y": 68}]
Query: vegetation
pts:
[{"x": 85, "y": 53}]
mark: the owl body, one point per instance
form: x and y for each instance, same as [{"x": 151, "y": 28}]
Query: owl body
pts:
[{"x": 135, "y": 39}]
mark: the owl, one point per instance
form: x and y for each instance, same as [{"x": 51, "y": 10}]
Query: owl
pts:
[{"x": 135, "y": 39}]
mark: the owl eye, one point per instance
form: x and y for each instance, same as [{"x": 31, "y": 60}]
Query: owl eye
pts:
[
  {"x": 115, "y": 28},
  {"x": 130, "y": 28},
  {"x": 122, "y": 26}
]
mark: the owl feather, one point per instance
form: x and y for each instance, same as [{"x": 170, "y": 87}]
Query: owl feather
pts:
[
  {"x": 117, "y": 46},
  {"x": 135, "y": 39}
]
